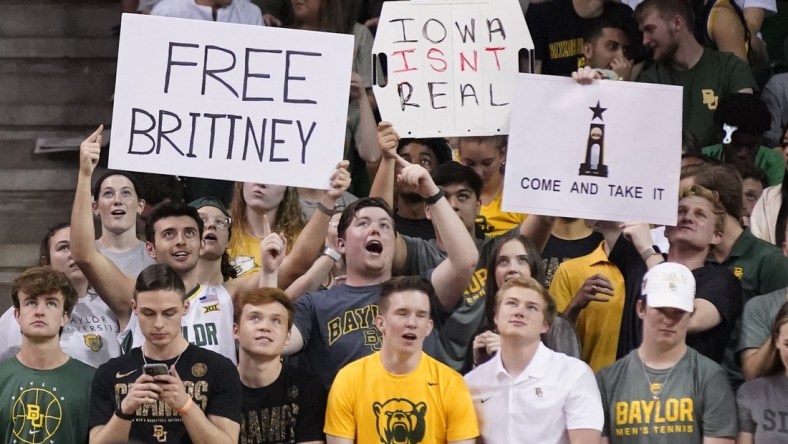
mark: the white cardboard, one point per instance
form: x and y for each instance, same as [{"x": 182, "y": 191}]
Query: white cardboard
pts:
[
  {"x": 551, "y": 125},
  {"x": 423, "y": 44},
  {"x": 319, "y": 71}
]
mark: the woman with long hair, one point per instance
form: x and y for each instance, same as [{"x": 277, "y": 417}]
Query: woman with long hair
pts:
[
  {"x": 516, "y": 256},
  {"x": 762, "y": 401},
  {"x": 259, "y": 209},
  {"x": 254, "y": 206}
]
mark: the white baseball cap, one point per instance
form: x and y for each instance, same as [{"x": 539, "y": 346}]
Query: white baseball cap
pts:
[{"x": 670, "y": 284}]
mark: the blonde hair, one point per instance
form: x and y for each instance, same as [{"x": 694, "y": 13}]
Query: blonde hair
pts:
[
  {"x": 289, "y": 218},
  {"x": 717, "y": 208}
]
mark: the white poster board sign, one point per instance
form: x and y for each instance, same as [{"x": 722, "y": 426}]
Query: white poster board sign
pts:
[
  {"x": 450, "y": 65},
  {"x": 606, "y": 151},
  {"x": 228, "y": 101}
]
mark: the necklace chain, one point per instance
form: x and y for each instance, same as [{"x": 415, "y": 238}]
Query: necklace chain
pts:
[
  {"x": 655, "y": 393},
  {"x": 176, "y": 359}
]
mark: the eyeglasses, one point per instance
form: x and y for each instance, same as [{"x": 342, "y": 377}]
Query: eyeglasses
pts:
[{"x": 221, "y": 222}]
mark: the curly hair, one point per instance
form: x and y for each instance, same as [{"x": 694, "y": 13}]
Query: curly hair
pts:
[{"x": 38, "y": 281}]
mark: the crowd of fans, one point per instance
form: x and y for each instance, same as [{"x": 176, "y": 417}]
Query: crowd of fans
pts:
[{"x": 403, "y": 305}]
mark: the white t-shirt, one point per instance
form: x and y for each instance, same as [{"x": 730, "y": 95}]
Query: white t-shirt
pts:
[
  {"x": 555, "y": 393},
  {"x": 239, "y": 11},
  {"x": 207, "y": 324}
]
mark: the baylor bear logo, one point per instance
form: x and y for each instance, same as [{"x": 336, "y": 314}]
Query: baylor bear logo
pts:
[{"x": 400, "y": 421}]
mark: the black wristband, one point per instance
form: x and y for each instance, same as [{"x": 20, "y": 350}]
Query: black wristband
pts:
[
  {"x": 325, "y": 210},
  {"x": 435, "y": 197},
  {"x": 125, "y": 416}
]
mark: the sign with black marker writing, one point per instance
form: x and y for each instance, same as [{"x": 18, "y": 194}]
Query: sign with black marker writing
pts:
[
  {"x": 450, "y": 65},
  {"x": 607, "y": 151},
  {"x": 228, "y": 101}
]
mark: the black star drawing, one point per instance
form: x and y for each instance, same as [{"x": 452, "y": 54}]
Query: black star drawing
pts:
[{"x": 597, "y": 110}]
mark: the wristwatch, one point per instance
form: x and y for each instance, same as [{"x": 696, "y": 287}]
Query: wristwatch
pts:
[
  {"x": 650, "y": 251},
  {"x": 431, "y": 200},
  {"x": 333, "y": 254}
]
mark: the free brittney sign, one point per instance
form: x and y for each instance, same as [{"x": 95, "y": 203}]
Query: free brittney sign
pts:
[
  {"x": 228, "y": 101},
  {"x": 450, "y": 65},
  {"x": 606, "y": 151}
]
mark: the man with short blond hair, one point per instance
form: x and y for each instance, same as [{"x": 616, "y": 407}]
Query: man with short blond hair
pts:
[{"x": 526, "y": 380}]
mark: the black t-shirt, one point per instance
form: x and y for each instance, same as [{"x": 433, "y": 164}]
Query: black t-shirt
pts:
[
  {"x": 713, "y": 283},
  {"x": 209, "y": 377},
  {"x": 626, "y": 257},
  {"x": 719, "y": 286},
  {"x": 290, "y": 410},
  {"x": 421, "y": 228},
  {"x": 558, "y": 250},
  {"x": 557, "y": 32}
]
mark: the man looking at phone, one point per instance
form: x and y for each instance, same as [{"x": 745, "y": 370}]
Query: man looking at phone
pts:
[{"x": 167, "y": 390}]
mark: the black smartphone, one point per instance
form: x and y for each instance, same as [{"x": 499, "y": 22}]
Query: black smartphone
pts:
[{"x": 155, "y": 369}]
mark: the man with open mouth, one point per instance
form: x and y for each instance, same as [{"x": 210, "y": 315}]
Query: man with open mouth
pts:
[
  {"x": 406, "y": 396},
  {"x": 336, "y": 326}
]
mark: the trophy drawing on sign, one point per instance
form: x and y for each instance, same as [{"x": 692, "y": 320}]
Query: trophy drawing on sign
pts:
[{"x": 595, "y": 148}]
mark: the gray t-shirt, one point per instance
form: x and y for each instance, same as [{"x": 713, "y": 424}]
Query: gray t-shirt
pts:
[
  {"x": 465, "y": 321},
  {"x": 338, "y": 327},
  {"x": 130, "y": 262},
  {"x": 696, "y": 401},
  {"x": 756, "y": 322},
  {"x": 763, "y": 410}
]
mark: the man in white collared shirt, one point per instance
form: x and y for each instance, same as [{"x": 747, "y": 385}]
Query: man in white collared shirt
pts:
[{"x": 550, "y": 398}]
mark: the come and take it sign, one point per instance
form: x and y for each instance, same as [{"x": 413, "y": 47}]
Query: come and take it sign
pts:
[{"x": 606, "y": 151}]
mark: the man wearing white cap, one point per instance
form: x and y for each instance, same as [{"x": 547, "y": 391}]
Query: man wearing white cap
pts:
[{"x": 665, "y": 391}]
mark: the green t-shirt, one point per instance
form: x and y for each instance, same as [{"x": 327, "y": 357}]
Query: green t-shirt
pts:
[
  {"x": 716, "y": 75},
  {"x": 695, "y": 401},
  {"x": 44, "y": 406},
  {"x": 767, "y": 159}
]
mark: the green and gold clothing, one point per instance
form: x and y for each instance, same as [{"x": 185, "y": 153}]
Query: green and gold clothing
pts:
[
  {"x": 208, "y": 377},
  {"x": 716, "y": 75},
  {"x": 44, "y": 406}
]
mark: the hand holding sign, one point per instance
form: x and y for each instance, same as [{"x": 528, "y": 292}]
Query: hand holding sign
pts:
[
  {"x": 272, "y": 248},
  {"x": 586, "y": 75},
  {"x": 638, "y": 233},
  {"x": 388, "y": 139},
  {"x": 89, "y": 152},
  {"x": 340, "y": 181}
]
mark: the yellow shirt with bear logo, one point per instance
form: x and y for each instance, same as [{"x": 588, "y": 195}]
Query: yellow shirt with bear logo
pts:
[{"x": 429, "y": 405}]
